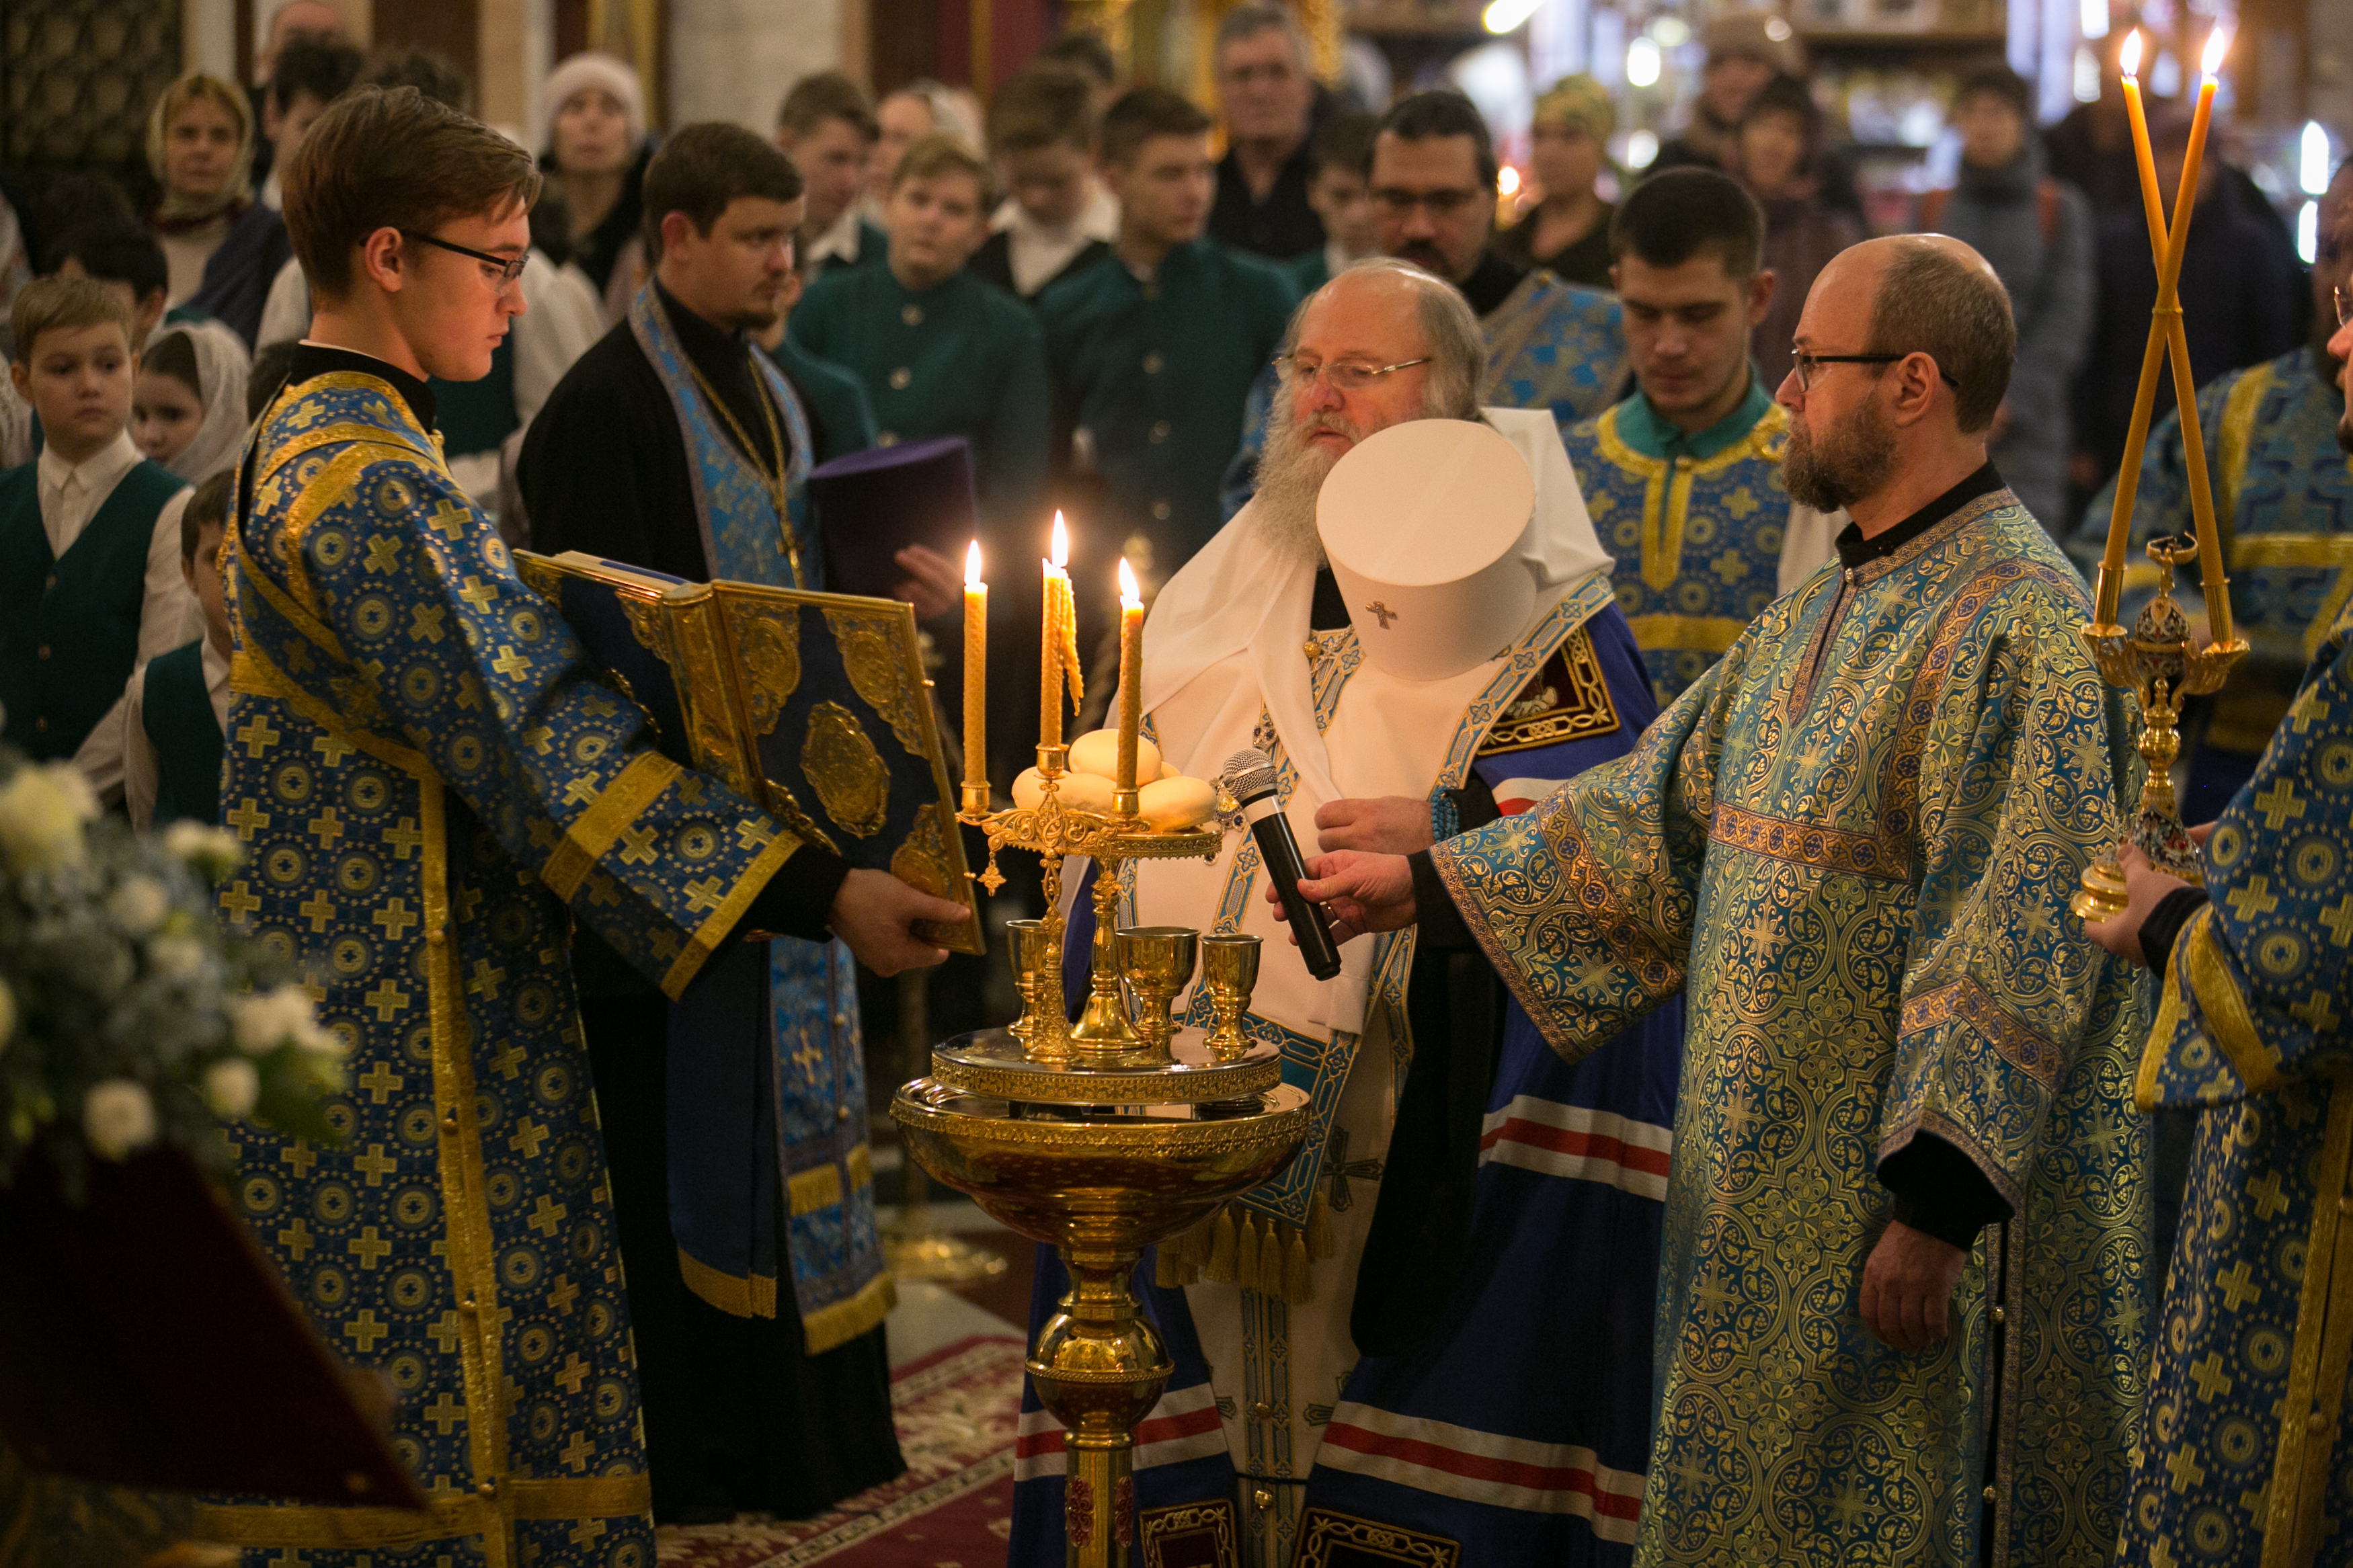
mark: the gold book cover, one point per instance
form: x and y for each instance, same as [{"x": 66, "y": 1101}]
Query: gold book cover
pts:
[{"x": 813, "y": 705}]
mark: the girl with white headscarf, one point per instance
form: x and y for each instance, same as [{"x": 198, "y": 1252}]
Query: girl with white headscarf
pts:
[
  {"x": 596, "y": 153},
  {"x": 187, "y": 407}
]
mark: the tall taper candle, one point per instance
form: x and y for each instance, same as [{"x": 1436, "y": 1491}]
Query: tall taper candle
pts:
[
  {"x": 975, "y": 681},
  {"x": 1131, "y": 687},
  {"x": 1055, "y": 635},
  {"x": 2110, "y": 586}
]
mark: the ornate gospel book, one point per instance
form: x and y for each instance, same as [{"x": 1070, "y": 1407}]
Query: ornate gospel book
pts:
[{"x": 812, "y": 705}]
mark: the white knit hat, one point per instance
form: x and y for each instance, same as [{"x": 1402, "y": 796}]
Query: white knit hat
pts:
[{"x": 593, "y": 68}]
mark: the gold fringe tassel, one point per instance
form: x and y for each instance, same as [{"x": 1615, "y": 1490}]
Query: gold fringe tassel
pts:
[{"x": 1237, "y": 1245}]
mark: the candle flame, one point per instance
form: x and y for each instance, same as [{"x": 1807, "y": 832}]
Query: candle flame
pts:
[
  {"x": 972, "y": 566},
  {"x": 2218, "y": 44},
  {"x": 2128, "y": 57},
  {"x": 1060, "y": 555},
  {"x": 1129, "y": 595}
]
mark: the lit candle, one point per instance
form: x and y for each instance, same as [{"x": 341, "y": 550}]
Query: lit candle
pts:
[
  {"x": 2202, "y": 496},
  {"x": 1131, "y": 685},
  {"x": 2110, "y": 586},
  {"x": 976, "y": 681},
  {"x": 1057, "y": 633}
]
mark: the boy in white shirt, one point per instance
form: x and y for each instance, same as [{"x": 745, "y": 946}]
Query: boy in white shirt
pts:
[
  {"x": 89, "y": 537},
  {"x": 175, "y": 712}
]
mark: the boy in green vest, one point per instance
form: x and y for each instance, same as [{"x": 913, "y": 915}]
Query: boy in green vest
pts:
[
  {"x": 174, "y": 712},
  {"x": 89, "y": 537}
]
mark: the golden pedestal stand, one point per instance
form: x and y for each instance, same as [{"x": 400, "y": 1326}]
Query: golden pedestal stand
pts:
[
  {"x": 1101, "y": 1138},
  {"x": 2157, "y": 663}
]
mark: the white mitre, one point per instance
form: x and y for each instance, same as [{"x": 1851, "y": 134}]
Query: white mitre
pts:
[
  {"x": 1236, "y": 596},
  {"x": 1226, "y": 639}
]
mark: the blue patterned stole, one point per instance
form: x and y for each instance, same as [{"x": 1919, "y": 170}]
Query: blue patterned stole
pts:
[{"x": 743, "y": 538}]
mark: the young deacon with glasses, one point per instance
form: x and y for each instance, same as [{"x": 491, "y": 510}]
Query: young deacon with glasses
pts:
[{"x": 431, "y": 789}]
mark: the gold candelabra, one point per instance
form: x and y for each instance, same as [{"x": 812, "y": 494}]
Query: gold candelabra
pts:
[
  {"x": 1102, "y": 1137},
  {"x": 2159, "y": 664}
]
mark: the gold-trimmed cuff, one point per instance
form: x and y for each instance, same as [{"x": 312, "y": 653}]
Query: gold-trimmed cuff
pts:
[
  {"x": 738, "y": 1295},
  {"x": 593, "y": 832},
  {"x": 2228, "y": 1022},
  {"x": 712, "y": 932}
]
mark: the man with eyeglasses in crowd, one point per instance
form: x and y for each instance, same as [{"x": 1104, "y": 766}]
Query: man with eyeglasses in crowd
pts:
[
  {"x": 1849, "y": 846},
  {"x": 1386, "y": 1391},
  {"x": 1550, "y": 345}
]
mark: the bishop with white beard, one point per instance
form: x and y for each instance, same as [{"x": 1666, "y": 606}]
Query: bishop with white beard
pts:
[{"x": 1438, "y": 1317}]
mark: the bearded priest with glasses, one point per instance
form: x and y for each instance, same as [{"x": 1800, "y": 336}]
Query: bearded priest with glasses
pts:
[{"x": 1903, "y": 1293}]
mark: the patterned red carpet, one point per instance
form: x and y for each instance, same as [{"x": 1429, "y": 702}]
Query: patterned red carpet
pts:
[{"x": 956, "y": 1411}]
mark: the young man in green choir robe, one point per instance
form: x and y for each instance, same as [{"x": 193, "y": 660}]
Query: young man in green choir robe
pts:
[
  {"x": 2243, "y": 1455},
  {"x": 174, "y": 711},
  {"x": 432, "y": 791},
  {"x": 1155, "y": 347},
  {"x": 939, "y": 351},
  {"x": 1903, "y": 1306},
  {"x": 1683, "y": 477},
  {"x": 90, "y": 536}
]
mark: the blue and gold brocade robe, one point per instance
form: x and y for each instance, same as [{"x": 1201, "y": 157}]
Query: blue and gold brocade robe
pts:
[
  {"x": 2241, "y": 1455},
  {"x": 1851, "y": 844},
  {"x": 424, "y": 784},
  {"x": 1695, "y": 522}
]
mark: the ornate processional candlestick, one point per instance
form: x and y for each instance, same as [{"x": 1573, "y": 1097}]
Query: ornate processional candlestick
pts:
[
  {"x": 2156, "y": 660},
  {"x": 1101, "y": 1138}
]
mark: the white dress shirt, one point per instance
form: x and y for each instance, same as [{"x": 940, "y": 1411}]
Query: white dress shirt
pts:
[
  {"x": 1038, "y": 251},
  {"x": 839, "y": 243},
  {"x": 71, "y": 498},
  {"x": 142, "y": 771}
]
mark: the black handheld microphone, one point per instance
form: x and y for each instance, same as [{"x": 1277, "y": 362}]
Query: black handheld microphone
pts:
[{"x": 1251, "y": 779}]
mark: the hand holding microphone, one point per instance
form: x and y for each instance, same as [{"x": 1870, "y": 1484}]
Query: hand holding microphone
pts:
[{"x": 1249, "y": 777}]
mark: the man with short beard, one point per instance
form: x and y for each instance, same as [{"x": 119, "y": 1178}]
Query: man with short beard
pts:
[
  {"x": 1904, "y": 1301},
  {"x": 2245, "y": 1460},
  {"x": 1356, "y": 1319}
]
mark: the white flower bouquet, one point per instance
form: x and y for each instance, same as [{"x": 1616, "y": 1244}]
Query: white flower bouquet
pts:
[{"x": 129, "y": 1016}]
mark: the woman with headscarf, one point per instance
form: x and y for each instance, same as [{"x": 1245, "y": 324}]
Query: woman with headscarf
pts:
[
  {"x": 200, "y": 149},
  {"x": 187, "y": 405},
  {"x": 1777, "y": 154},
  {"x": 1567, "y": 233},
  {"x": 597, "y": 155},
  {"x": 905, "y": 116}
]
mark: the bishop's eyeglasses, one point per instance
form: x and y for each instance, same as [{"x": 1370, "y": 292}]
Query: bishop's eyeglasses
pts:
[
  {"x": 1806, "y": 365},
  {"x": 1345, "y": 375}
]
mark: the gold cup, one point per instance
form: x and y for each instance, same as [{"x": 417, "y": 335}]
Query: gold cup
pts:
[
  {"x": 1230, "y": 969},
  {"x": 1157, "y": 961},
  {"x": 1037, "y": 952}
]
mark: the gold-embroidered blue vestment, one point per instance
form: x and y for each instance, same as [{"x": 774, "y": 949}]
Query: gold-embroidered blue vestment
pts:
[
  {"x": 2242, "y": 1458},
  {"x": 1850, "y": 846},
  {"x": 426, "y": 784}
]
